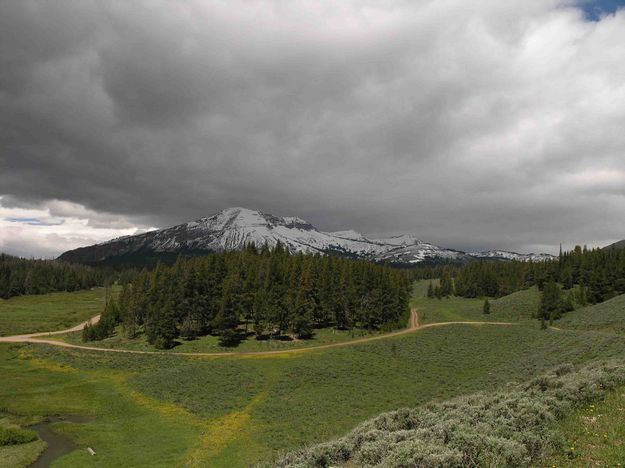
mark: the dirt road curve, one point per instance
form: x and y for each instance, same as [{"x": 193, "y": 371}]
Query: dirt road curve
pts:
[
  {"x": 34, "y": 337},
  {"x": 414, "y": 326}
]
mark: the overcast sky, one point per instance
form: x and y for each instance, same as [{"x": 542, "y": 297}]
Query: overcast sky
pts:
[{"x": 482, "y": 124}]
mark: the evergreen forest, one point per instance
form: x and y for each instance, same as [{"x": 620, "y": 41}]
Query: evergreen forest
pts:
[
  {"x": 256, "y": 291},
  {"x": 20, "y": 276}
]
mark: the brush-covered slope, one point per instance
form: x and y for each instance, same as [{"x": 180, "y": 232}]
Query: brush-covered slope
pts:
[
  {"x": 514, "y": 427},
  {"x": 520, "y": 305},
  {"x": 608, "y": 316}
]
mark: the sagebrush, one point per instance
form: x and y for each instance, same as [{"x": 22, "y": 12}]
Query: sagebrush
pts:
[{"x": 513, "y": 427}]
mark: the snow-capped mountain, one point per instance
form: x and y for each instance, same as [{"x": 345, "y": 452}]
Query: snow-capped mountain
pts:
[
  {"x": 234, "y": 228},
  {"x": 505, "y": 255}
]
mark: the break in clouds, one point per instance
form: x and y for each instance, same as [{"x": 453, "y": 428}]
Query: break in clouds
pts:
[{"x": 482, "y": 124}]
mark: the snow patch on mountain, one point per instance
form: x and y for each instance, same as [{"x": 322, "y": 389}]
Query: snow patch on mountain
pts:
[{"x": 505, "y": 255}]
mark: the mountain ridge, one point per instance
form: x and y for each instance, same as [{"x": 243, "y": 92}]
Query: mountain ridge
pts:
[
  {"x": 234, "y": 228},
  {"x": 616, "y": 245}
]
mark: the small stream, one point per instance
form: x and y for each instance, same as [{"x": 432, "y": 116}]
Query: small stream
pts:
[{"x": 58, "y": 444}]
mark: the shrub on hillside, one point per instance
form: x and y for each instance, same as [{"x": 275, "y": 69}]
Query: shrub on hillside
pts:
[
  {"x": 506, "y": 428},
  {"x": 229, "y": 338}
]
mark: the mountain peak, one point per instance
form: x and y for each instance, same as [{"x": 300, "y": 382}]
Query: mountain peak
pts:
[
  {"x": 244, "y": 215},
  {"x": 236, "y": 227},
  {"x": 239, "y": 217}
]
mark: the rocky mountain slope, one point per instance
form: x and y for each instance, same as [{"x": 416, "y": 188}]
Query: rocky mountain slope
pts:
[{"x": 234, "y": 228}]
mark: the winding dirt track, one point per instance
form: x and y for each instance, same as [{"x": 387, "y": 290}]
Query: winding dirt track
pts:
[{"x": 414, "y": 326}]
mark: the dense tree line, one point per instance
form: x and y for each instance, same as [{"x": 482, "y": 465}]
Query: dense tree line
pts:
[
  {"x": 271, "y": 292},
  {"x": 598, "y": 275},
  {"x": 19, "y": 276}
]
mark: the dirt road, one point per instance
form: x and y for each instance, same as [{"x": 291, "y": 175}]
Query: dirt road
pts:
[
  {"x": 34, "y": 337},
  {"x": 414, "y": 326}
]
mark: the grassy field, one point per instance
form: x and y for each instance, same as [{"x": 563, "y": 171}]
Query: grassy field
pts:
[
  {"x": 235, "y": 411},
  {"x": 20, "y": 455},
  {"x": 516, "y": 307},
  {"x": 595, "y": 435},
  {"x": 48, "y": 312},
  {"x": 38, "y": 387},
  {"x": 608, "y": 316}
]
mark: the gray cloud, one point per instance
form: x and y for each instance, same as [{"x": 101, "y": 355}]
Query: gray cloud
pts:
[{"x": 494, "y": 124}]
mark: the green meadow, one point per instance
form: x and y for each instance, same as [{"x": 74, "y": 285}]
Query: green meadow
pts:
[
  {"x": 160, "y": 410},
  {"x": 48, "y": 312},
  {"x": 516, "y": 307}
]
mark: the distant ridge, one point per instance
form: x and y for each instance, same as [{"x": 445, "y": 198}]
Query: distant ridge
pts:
[
  {"x": 616, "y": 245},
  {"x": 234, "y": 228}
]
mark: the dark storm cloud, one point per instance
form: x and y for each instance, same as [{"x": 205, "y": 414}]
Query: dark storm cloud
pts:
[{"x": 482, "y": 125}]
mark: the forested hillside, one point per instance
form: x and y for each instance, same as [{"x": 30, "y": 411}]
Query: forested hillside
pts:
[
  {"x": 271, "y": 292},
  {"x": 19, "y": 276},
  {"x": 599, "y": 273}
]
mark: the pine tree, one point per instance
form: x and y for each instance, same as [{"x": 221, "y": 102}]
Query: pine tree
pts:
[
  {"x": 228, "y": 316},
  {"x": 567, "y": 278},
  {"x": 229, "y": 338},
  {"x": 305, "y": 306},
  {"x": 582, "y": 299},
  {"x": 166, "y": 331},
  {"x": 345, "y": 308},
  {"x": 259, "y": 313},
  {"x": 551, "y": 302},
  {"x": 446, "y": 285},
  {"x": 569, "y": 303}
]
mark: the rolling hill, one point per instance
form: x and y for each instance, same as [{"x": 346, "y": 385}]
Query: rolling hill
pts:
[{"x": 607, "y": 316}]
